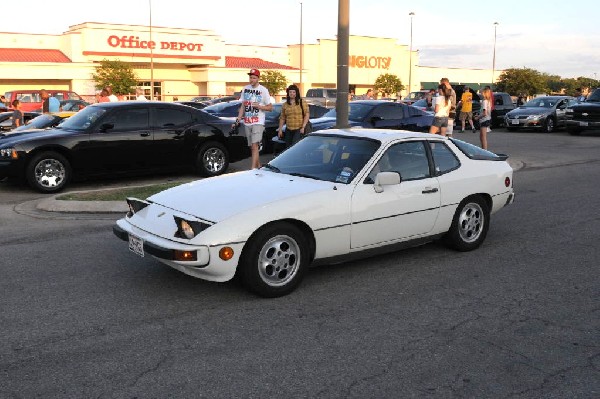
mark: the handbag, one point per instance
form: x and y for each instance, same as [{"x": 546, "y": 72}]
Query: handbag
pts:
[{"x": 308, "y": 128}]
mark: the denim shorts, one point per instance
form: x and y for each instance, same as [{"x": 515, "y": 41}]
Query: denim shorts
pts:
[{"x": 440, "y": 121}]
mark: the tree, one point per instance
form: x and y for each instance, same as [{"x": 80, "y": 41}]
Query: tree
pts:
[
  {"x": 388, "y": 84},
  {"x": 117, "y": 74},
  {"x": 519, "y": 81},
  {"x": 274, "y": 81}
]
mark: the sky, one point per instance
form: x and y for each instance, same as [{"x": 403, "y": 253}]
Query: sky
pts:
[{"x": 555, "y": 37}]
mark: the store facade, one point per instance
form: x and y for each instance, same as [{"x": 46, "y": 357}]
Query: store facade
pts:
[{"x": 185, "y": 63}]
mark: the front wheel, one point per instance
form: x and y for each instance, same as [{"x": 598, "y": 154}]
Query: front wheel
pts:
[
  {"x": 549, "y": 125},
  {"x": 469, "y": 225},
  {"x": 212, "y": 159},
  {"x": 48, "y": 172},
  {"x": 274, "y": 260}
]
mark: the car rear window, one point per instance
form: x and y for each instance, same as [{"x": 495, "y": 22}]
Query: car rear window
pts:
[{"x": 474, "y": 152}]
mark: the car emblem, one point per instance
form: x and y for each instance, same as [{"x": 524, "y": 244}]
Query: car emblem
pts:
[
  {"x": 160, "y": 214},
  {"x": 584, "y": 114}
]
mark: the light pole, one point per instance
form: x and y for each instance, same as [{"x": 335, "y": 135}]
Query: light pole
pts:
[
  {"x": 301, "y": 50},
  {"x": 411, "y": 14},
  {"x": 151, "y": 55},
  {"x": 494, "y": 57}
]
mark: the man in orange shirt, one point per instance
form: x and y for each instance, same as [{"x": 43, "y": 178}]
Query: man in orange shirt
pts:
[{"x": 466, "y": 110}]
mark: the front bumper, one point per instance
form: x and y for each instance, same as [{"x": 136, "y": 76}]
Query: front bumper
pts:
[{"x": 583, "y": 124}]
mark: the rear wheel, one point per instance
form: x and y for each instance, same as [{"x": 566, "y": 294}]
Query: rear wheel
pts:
[
  {"x": 274, "y": 260},
  {"x": 212, "y": 159},
  {"x": 48, "y": 172},
  {"x": 469, "y": 225}
]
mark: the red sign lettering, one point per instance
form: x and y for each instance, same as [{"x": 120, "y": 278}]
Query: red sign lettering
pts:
[{"x": 135, "y": 42}]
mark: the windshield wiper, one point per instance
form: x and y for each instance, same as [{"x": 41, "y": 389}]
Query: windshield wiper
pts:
[
  {"x": 271, "y": 167},
  {"x": 303, "y": 175}
]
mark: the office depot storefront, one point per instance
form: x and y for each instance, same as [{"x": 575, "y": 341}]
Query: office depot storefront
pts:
[{"x": 185, "y": 63}]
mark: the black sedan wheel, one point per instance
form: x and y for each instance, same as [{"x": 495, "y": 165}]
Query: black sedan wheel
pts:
[
  {"x": 48, "y": 172},
  {"x": 274, "y": 260},
  {"x": 470, "y": 225},
  {"x": 212, "y": 160}
]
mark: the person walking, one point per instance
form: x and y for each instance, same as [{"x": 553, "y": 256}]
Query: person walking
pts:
[
  {"x": 139, "y": 94},
  {"x": 485, "y": 116},
  {"x": 466, "y": 109},
  {"x": 17, "y": 117},
  {"x": 441, "y": 106},
  {"x": 452, "y": 112},
  {"x": 49, "y": 103},
  {"x": 256, "y": 100},
  {"x": 294, "y": 114},
  {"x": 369, "y": 95}
]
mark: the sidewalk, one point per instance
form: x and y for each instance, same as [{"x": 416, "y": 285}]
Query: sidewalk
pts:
[{"x": 51, "y": 204}]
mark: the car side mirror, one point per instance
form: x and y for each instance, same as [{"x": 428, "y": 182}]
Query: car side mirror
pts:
[
  {"x": 386, "y": 179},
  {"x": 106, "y": 126}
]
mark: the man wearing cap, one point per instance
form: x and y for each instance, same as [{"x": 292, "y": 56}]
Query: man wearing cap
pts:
[{"x": 256, "y": 100}]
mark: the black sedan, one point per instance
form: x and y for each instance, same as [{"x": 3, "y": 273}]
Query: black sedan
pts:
[
  {"x": 117, "y": 138},
  {"x": 379, "y": 114},
  {"x": 230, "y": 110},
  {"x": 544, "y": 112}
]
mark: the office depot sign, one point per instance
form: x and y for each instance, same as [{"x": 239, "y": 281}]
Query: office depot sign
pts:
[{"x": 135, "y": 43}]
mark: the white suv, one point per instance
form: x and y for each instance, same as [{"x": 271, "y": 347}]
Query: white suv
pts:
[{"x": 325, "y": 97}]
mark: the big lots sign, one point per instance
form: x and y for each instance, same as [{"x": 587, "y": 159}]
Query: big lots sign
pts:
[
  {"x": 135, "y": 42},
  {"x": 373, "y": 62}
]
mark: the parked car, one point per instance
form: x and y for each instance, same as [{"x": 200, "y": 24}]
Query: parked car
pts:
[
  {"x": 333, "y": 196},
  {"x": 231, "y": 109},
  {"x": 379, "y": 114},
  {"x": 585, "y": 115},
  {"x": 322, "y": 96},
  {"x": 414, "y": 96},
  {"x": 6, "y": 119},
  {"x": 545, "y": 113},
  {"x": 423, "y": 105},
  {"x": 31, "y": 100},
  {"x": 43, "y": 122},
  {"x": 194, "y": 104},
  {"x": 115, "y": 138},
  {"x": 503, "y": 104}
]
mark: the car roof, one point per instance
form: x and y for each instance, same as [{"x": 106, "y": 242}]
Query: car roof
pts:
[{"x": 382, "y": 135}]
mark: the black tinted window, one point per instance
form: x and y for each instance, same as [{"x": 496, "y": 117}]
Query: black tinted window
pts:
[
  {"x": 168, "y": 117},
  {"x": 130, "y": 119},
  {"x": 389, "y": 111}
]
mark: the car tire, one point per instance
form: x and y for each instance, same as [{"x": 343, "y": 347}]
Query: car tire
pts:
[
  {"x": 274, "y": 260},
  {"x": 470, "y": 225},
  {"x": 573, "y": 131},
  {"x": 212, "y": 159},
  {"x": 48, "y": 172},
  {"x": 549, "y": 125}
]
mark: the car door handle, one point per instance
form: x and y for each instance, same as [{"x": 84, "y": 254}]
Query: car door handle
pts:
[
  {"x": 429, "y": 190},
  {"x": 144, "y": 134}
]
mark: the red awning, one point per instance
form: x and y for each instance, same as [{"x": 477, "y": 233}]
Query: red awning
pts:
[
  {"x": 32, "y": 55},
  {"x": 245, "y": 62}
]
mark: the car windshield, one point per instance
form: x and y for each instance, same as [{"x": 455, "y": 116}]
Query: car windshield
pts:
[
  {"x": 83, "y": 119},
  {"x": 274, "y": 113},
  {"x": 540, "y": 102},
  {"x": 594, "y": 97},
  {"x": 326, "y": 157},
  {"x": 39, "y": 122},
  {"x": 356, "y": 111}
]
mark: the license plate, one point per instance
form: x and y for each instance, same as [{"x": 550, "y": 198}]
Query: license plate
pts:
[
  {"x": 583, "y": 123},
  {"x": 514, "y": 121},
  {"x": 136, "y": 245}
]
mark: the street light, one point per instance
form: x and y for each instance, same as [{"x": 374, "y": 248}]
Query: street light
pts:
[
  {"x": 494, "y": 58},
  {"x": 301, "y": 48},
  {"x": 411, "y": 14}
]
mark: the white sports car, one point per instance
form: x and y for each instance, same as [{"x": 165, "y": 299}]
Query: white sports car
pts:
[{"x": 336, "y": 194}]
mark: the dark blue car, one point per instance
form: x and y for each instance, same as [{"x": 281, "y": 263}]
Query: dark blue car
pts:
[{"x": 379, "y": 114}]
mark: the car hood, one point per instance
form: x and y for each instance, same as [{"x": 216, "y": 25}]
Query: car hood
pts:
[
  {"x": 218, "y": 198},
  {"x": 24, "y": 135},
  {"x": 528, "y": 111}
]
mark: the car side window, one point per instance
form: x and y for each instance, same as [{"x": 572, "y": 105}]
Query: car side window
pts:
[
  {"x": 389, "y": 111},
  {"x": 409, "y": 159},
  {"x": 130, "y": 119},
  {"x": 444, "y": 159},
  {"x": 167, "y": 117}
]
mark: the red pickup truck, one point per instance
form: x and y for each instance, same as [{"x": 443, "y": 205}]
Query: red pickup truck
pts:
[{"x": 31, "y": 100}]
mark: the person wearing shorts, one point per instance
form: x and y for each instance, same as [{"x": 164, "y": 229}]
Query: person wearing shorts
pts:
[
  {"x": 441, "y": 105},
  {"x": 256, "y": 100}
]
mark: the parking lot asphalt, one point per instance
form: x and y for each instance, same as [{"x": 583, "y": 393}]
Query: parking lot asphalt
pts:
[{"x": 52, "y": 204}]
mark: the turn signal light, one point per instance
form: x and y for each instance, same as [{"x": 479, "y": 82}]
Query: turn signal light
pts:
[
  {"x": 186, "y": 255},
  {"x": 226, "y": 253}
]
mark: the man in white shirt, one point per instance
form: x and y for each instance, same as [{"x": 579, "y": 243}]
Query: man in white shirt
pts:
[
  {"x": 111, "y": 97},
  {"x": 139, "y": 94}
]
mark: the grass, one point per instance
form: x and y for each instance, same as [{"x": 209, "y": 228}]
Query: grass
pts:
[{"x": 118, "y": 194}]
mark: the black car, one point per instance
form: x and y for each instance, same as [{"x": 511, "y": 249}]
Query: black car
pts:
[
  {"x": 194, "y": 104},
  {"x": 114, "y": 138},
  {"x": 503, "y": 104},
  {"x": 379, "y": 114},
  {"x": 584, "y": 115},
  {"x": 231, "y": 109},
  {"x": 544, "y": 113},
  {"x": 6, "y": 119}
]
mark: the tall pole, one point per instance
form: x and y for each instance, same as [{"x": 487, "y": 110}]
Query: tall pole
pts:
[
  {"x": 151, "y": 55},
  {"x": 301, "y": 50},
  {"x": 343, "y": 46},
  {"x": 494, "y": 57},
  {"x": 412, "y": 14}
]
